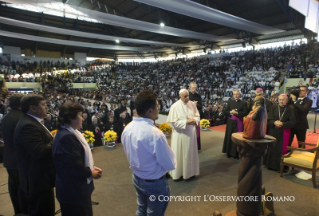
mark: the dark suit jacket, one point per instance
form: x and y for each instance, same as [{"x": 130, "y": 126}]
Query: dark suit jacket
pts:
[
  {"x": 71, "y": 178},
  {"x": 196, "y": 97},
  {"x": 119, "y": 124},
  {"x": 220, "y": 115},
  {"x": 85, "y": 125},
  {"x": 33, "y": 144},
  {"x": 8, "y": 125},
  {"x": 50, "y": 125},
  {"x": 132, "y": 105},
  {"x": 302, "y": 110}
]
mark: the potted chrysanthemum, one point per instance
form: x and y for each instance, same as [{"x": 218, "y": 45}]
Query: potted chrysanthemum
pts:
[
  {"x": 165, "y": 128},
  {"x": 204, "y": 123},
  {"x": 89, "y": 137},
  {"x": 110, "y": 137}
]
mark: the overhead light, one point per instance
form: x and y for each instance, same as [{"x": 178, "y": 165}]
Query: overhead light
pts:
[
  {"x": 22, "y": 54},
  {"x": 162, "y": 24},
  {"x": 117, "y": 41}
]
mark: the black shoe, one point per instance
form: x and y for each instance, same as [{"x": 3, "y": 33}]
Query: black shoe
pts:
[
  {"x": 177, "y": 180},
  {"x": 190, "y": 179}
]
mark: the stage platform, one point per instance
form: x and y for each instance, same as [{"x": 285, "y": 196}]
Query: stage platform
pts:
[{"x": 218, "y": 177}]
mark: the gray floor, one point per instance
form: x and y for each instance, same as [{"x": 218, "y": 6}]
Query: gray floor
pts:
[{"x": 218, "y": 177}]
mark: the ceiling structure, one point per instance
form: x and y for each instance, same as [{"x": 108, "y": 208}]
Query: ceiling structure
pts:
[{"x": 132, "y": 29}]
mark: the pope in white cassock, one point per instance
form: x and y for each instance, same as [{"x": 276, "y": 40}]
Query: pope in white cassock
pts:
[{"x": 184, "y": 117}]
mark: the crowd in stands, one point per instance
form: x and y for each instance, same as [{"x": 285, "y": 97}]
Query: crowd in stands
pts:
[{"x": 216, "y": 75}]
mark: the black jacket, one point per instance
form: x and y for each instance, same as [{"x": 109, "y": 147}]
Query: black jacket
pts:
[
  {"x": 85, "y": 125},
  {"x": 8, "y": 125},
  {"x": 302, "y": 109},
  {"x": 119, "y": 126},
  {"x": 50, "y": 124},
  {"x": 71, "y": 172},
  {"x": 33, "y": 144}
]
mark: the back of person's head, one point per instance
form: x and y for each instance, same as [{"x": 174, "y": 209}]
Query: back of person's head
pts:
[
  {"x": 144, "y": 101},
  {"x": 15, "y": 100},
  {"x": 68, "y": 111},
  {"x": 30, "y": 100}
]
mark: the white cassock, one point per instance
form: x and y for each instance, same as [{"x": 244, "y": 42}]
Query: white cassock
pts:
[{"x": 184, "y": 139}]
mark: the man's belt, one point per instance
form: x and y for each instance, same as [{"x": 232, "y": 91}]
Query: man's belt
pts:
[{"x": 153, "y": 180}]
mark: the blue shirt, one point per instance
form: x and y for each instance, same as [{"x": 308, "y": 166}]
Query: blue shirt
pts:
[{"x": 146, "y": 149}]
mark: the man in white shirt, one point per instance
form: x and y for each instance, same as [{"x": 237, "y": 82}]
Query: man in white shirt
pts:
[{"x": 149, "y": 155}]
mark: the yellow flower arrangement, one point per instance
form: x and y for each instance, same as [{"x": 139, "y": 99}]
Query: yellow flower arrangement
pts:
[
  {"x": 54, "y": 132},
  {"x": 89, "y": 136},
  {"x": 165, "y": 127},
  {"x": 110, "y": 136},
  {"x": 204, "y": 123}
]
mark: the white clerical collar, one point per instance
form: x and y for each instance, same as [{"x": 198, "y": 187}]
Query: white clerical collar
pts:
[
  {"x": 301, "y": 98},
  {"x": 36, "y": 118}
]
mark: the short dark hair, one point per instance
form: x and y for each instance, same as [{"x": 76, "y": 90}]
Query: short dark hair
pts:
[
  {"x": 144, "y": 101},
  {"x": 304, "y": 86},
  {"x": 15, "y": 100},
  {"x": 30, "y": 100},
  {"x": 68, "y": 111}
]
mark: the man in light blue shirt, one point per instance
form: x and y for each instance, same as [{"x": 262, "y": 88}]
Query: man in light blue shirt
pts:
[{"x": 149, "y": 155}]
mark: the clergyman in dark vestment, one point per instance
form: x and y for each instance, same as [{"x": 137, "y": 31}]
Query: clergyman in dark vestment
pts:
[
  {"x": 235, "y": 111},
  {"x": 196, "y": 98},
  {"x": 281, "y": 118}
]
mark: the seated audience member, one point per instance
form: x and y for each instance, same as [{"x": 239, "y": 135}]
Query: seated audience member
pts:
[
  {"x": 85, "y": 122},
  {"x": 120, "y": 124},
  {"x": 74, "y": 164},
  {"x": 208, "y": 115},
  {"x": 219, "y": 117},
  {"x": 109, "y": 124},
  {"x": 94, "y": 127}
]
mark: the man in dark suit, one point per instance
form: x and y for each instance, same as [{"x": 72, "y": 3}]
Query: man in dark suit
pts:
[
  {"x": 120, "y": 124},
  {"x": 49, "y": 124},
  {"x": 8, "y": 124},
  {"x": 219, "y": 117},
  {"x": 118, "y": 111},
  {"x": 235, "y": 111},
  {"x": 90, "y": 113},
  {"x": 207, "y": 114},
  {"x": 132, "y": 105},
  {"x": 123, "y": 106},
  {"x": 85, "y": 125},
  {"x": 196, "y": 98},
  {"x": 33, "y": 144},
  {"x": 302, "y": 106}
]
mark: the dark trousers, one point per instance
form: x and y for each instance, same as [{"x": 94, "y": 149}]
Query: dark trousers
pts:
[
  {"x": 14, "y": 191},
  {"x": 300, "y": 133},
  {"x": 83, "y": 209},
  {"x": 41, "y": 203}
]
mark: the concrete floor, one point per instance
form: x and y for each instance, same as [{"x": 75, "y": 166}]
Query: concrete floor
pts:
[{"x": 218, "y": 176}]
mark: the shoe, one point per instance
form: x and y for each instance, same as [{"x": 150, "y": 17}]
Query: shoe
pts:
[{"x": 177, "y": 180}]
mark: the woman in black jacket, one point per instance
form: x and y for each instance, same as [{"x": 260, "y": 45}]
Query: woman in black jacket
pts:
[{"x": 74, "y": 164}]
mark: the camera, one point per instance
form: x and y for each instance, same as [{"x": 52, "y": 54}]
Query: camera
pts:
[{"x": 295, "y": 91}]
